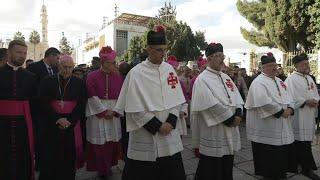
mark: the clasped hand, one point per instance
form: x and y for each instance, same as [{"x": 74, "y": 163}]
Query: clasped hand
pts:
[{"x": 63, "y": 123}]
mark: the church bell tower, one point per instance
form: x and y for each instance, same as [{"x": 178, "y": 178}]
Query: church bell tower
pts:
[{"x": 44, "y": 23}]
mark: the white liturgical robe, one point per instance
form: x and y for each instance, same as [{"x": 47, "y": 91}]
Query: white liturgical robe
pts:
[
  {"x": 302, "y": 87},
  {"x": 101, "y": 131},
  {"x": 151, "y": 90},
  {"x": 214, "y": 100},
  {"x": 266, "y": 97}
]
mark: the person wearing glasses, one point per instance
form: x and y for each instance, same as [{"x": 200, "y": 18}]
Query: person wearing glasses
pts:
[
  {"x": 306, "y": 98},
  {"x": 62, "y": 99},
  {"x": 216, "y": 113},
  {"x": 103, "y": 124},
  {"x": 152, "y": 97},
  {"x": 269, "y": 123}
]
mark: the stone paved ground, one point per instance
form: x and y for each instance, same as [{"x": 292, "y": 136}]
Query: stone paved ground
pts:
[{"x": 243, "y": 164}]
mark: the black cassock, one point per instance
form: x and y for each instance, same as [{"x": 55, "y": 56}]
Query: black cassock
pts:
[
  {"x": 58, "y": 152},
  {"x": 16, "y": 90}
]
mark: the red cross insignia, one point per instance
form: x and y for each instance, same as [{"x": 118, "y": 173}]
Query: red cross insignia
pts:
[
  {"x": 172, "y": 80},
  {"x": 283, "y": 85},
  {"x": 230, "y": 85}
]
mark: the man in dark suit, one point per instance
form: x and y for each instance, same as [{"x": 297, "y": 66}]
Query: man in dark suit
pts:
[{"x": 45, "y": 67}]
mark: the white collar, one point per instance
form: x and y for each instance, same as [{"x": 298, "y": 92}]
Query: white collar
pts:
[
  {"x": 213, "y": 71},
  {"x": 15, "y": 68},
  {"x": 149, "y": 63},
  {"x": 300, "y": 74},
  {"x": 264, "y": 74},
  {"x": 47, "y": 65}
]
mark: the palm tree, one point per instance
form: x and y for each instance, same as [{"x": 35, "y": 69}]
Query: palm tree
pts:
[
  {"x": 34, "y": 39},
  {"x": 18, "y": 36}
]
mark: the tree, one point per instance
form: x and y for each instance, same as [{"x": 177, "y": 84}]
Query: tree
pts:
[
  {"x": 18, "y": 36},
  {"x": 167, "y": 13},
  {"x": 314, "y": 68},
  {"x": 181, "y": 41},
  {"x": 315, "y": 22},
  {"x": 34, "y": 39},
  {"x": 134, "y": 48},
  {"x": 201, "y": 40},
  {"x": 282, "y": 24},
  {"x": 64, "y": 46},
  {"x": 184, "y": 44}
]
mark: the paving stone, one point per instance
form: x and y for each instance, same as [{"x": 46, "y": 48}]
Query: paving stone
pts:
[
  {"x": 247, "y": 167},
  {"x": 187, "y": 154},
  {"x": 239, "y": 159},
  {"x": 241, "y": 175},
  {"x": 186, "y": 140},
  {"x": 189, "y": 147},
  {"x": 245, "y": 153},
  {"x": 316, "y": 155},
  {"x": 243, "y": 164},
  {"x": 190, "y": 166}
]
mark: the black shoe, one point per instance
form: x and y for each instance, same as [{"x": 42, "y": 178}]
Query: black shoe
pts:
[{"x": 310, "y": 174}]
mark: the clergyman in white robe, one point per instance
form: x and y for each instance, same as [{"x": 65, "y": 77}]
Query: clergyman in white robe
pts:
[
  {"x": 151, "y": 96},
  {"x": 306, "y": 98},
  {"x": 215, "y": 105},
  {"x": 269, "y": 123}
]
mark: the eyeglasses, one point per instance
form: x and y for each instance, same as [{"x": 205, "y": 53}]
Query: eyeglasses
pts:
[{"x": 160, "y": 50}]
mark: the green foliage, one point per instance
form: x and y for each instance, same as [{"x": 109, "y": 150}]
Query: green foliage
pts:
[
  {"x": 314, "y": 68},
  {"x": 64, "y": 46},
  {"x": 136, "y": 46},
  {"x": 282, "y": 24},
  {"x": 34, "y": 39},
  {"x": 201, "y": 40},
  {"x": 181, "y": 41},
  {"x": 315, "y": 22},
  {"x": 19, "y": 36}
]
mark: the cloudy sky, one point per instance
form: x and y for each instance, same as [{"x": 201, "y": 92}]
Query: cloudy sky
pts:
[{"x": 218, "y": 18}]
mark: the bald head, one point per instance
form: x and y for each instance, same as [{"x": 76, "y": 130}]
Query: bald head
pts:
[{"x": 66, "y": 66}]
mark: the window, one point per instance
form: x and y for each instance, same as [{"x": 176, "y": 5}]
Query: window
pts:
[{"x": 121, "y": 41}]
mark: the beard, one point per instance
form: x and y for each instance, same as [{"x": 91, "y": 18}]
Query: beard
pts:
[{"x": 17, "y": 62}]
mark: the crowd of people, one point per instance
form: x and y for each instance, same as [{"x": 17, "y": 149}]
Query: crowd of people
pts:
[{"x": 56, "y": 118}]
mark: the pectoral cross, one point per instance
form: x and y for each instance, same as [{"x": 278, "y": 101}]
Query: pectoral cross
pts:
[{"x": 61, "y": 104}]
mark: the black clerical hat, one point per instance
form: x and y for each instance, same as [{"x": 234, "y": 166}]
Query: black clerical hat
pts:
[
  {"x": 213, "y": 48},
  {"x": 299, "y": 58},
  {"x": 269, "y": 58},
  {"x": 157, "y": 36}
]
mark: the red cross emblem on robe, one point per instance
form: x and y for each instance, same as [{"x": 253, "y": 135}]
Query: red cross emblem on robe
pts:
[
  {"x": 172, "y": 80},
  {"x": 283, "y": 85},
  {"x": 230, "y": 85}
]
